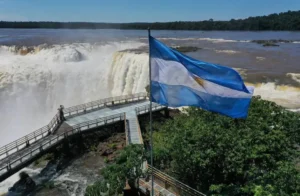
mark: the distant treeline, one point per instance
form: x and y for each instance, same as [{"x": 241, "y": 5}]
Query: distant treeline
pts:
[{"x": 283, "y": 21}]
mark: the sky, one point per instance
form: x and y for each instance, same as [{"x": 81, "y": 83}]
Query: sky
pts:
[{"x": 139, "y": 10}]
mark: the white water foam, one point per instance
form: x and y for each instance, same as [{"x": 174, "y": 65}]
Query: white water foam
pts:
[
  {"x": 220, "y": 40},
  {"x": 34, "y": 85},
  {"x": 214, "y": 40},
  {"x": 78, "y": 187},
  {"x": 9, "y": 182},
  {"x": 227, "y": 51},
  {"x": 295, "y": 110},
  {"x": 294, "y": 76},
  {"x": 260, "y": 58},
  {"x": 286, "y": 96},
  {"x": 129, "y": 73}
]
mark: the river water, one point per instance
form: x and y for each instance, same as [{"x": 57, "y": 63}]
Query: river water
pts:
[{"x": 43, "y": 68}]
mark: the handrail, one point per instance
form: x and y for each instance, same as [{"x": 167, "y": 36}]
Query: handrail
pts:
[
  {"x": 46, "y": 130},
  {"x": 172, "y": 181},
  {"x": 146, "y": 108},
  {"x": 75, "y": 110},
  {"x": 105, "y": 118},
  {"x": 4, "y": 150},
  {"x": 139, "y": 131},
  {"x": 74, "y": 129}
]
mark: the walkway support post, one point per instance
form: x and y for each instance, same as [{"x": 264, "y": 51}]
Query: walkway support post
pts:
[{"x": 150, "y": 111}]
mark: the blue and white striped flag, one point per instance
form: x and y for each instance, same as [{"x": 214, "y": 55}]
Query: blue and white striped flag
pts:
[{"x": 178, "y": 80}]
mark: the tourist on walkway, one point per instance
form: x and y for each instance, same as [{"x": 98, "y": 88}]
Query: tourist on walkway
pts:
[{"x": 61, "y": 113}]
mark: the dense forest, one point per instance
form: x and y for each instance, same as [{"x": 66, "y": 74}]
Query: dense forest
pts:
[
  {"x": 283, "y": 21},
  {"x": 218, "y": 155},
  {"x": 215, "y": 154}
]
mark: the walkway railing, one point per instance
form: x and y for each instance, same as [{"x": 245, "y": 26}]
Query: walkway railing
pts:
[
  {"x": 25, "y": 141},
  {"x": 139, "y": 131},
  {"x": 54, "y": 139},
  {"x": 172, "y": 184},
  {"x": 146, "y": 108},
  {"x": 29, "y": 139},
  {"x": 79, "y": 109},
  {"x": 33, "y": 144}
]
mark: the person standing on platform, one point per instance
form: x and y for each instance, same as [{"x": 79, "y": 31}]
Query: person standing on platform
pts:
[{"x": 61, "y": 113}]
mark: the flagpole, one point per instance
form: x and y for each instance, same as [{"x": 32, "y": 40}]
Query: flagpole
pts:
[{"x": 150, "y": 111}]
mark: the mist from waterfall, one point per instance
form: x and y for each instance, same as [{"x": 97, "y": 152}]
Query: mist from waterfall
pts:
[{"x": 33, "y": 85}]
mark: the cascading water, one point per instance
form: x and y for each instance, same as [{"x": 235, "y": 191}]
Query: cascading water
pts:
[
  {"x": 129, "y": 73},
  {"x": 33, "y": 85},
  {"x": 35, "y": 81}
]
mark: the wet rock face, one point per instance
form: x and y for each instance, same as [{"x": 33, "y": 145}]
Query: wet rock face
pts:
[
  {"x": 109, "y": 148},
  {"x": 24, "y": 186},
  {"x": 186, "y": 49},
  {"x": 66, "y": 175},
  {"x": 52, "y": 192},
  {"x": 271, "y": 42}
]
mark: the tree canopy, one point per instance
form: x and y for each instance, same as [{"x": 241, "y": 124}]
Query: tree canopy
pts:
[
  {"x": 128, "y": 166},
  {"x": 218, "y": 155},
  {"x": 283, "y": 21}
]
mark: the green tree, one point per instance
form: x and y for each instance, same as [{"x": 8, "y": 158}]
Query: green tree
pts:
[
  {"x": 222, "y": 156},
  {"x": 282, "y": 21},
  {"x": 128, "y": 166}
]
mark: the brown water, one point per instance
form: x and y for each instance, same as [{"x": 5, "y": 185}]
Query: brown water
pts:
[
  {"x": 232, "y": 48},
  {"x": 77, "y": 66},
  {"x": 74, "y": 67}
]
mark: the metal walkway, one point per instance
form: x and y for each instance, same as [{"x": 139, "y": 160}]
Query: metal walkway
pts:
[{"x": 79, "y": 119}]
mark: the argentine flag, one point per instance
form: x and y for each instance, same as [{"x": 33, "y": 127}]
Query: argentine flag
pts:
[{"x": 178, "y": 80}]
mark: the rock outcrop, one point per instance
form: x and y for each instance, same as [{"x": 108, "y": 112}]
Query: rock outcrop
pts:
[{"x": 23, "y": 186}]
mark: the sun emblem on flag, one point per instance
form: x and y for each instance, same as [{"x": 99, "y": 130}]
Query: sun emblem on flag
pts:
[{"x": 199, "y": 80}]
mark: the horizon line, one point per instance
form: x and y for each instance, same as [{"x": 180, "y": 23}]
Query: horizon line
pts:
[{"x": 156, "y": 21}]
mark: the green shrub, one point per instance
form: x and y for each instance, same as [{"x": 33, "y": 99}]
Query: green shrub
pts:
[
  {"x": 113, "y": 146},
  {"x": 128, "y": 166},
  {"x": 49, "y": 185},
  {"x": 97, "y": 188},
  {"x": 222, "y": 156},
  {"x": 93, "y": 148}
]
